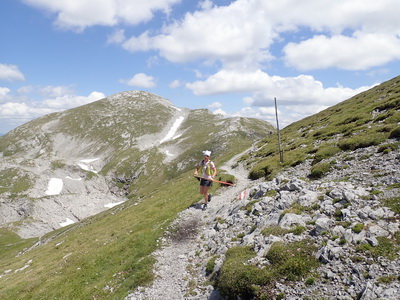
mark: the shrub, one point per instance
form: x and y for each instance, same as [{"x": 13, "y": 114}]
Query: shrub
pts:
[
  {"x": 310, "y": 281},
  {"x": 324, "y": 153},
  {"x": 293, "y": 260},
  {"x": 289, "y": 261},
  {"x": 211, "y": 265},
  {"x": 274, "y": 230},
  {"x": 395, "y": 133},
  {"x": 237, "y": 279},
  {"x": 298, "y": 230},
  {"x": 387, "y": 148},
  {"x": 361, "y": 141},
  {"x": 261, "y": 171},
  {"x": 319, "y": 170},
  {"x": 393, "y": 204},
  {"x": 357, "y": 228}
]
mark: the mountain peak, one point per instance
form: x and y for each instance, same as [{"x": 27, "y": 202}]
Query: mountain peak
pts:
[{"x": 138, "y": 98}]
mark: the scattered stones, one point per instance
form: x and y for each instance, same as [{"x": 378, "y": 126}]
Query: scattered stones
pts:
[{"x": 340, "y": 216}]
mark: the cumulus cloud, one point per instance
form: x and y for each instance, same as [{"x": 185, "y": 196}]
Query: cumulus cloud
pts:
[
  {"x": 358, "y": 52},
  {"x": 70, "y": 101},
  {"x": 10, "y": 73},
  {"x": 16, "y": 113},
  {"x": 3, "y": 93},
  {"x": 140, "y": 80},
  {"x": 299, "y": 89},
  {"x": 215, "y": 105},
  {"x": 220, "y": 33},
  {"x": 80, "y": 14},
  {"x": 175, "y": 84}
]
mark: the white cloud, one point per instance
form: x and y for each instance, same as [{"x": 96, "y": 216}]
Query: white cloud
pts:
[
  {"x": 299, "y": 89},
  {"x": 70, "y": 101},
  {"x": 11, "y": 73},
  {"x": 3, "y": 93},
  {"x": 118, "y": 37},
  {"x": 226, "y": 81},
  {"x": 359, "y": 52},
  {"x": 220, "y": 111},
  {"x": 215, "y": 105},
  {"x": 140, "y": 80},
  {"x": 55, "y": 91},
  {"x": 16, "y": 113},
  {"x": 224, "y": 33},
  {"x": 17, "y": 110},
  {"x": 175, "y": 84},
  {"x": 79, "y": 14}
]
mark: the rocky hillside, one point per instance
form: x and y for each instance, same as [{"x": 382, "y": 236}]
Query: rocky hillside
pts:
[
  {"x": 337, "y": 237},
  {"x": 324, "y": 223},
  {"x": 64, "y": 167}
]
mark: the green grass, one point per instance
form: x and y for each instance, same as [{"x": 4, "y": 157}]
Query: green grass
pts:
[
  {"x": 11, "y": 244},
  {"x": 392, "y": 203},
  {"x": 367, "y": 119},
  {"x": 15, "y": 181},
  {"x": 288, "y": 261},
  {"x": 387, "y": 247},
  {"x": 103, "y": 257}
]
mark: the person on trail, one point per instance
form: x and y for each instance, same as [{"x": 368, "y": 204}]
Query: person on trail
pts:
[{"x": 208, "y": 171}]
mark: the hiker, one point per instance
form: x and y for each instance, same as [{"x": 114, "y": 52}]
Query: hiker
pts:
[{"x": 208, "y": 171}]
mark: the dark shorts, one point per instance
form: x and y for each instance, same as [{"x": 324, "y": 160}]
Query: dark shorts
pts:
[{"x": 204, "y": 182}]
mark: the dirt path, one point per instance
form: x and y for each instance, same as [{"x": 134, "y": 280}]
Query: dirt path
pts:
[{"x": 176, "y": 270}]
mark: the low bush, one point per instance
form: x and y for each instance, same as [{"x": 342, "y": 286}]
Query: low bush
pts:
[
  {"x": 292, "y": 260},
  {"x": 325, "y": 152},
  {"x": 393, "y": 204},
  {"x": 361, "y": 141},
  {"x": 395, "y": 133},
  {"x": 239, "y": 278},
  {"x": 262, "y": 170},
  {"x": 357, "y": 228},
  {"x": 319, "y": 170}
]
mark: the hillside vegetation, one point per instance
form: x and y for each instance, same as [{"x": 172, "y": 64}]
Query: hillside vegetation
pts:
[{"x": 367, "y": 119}]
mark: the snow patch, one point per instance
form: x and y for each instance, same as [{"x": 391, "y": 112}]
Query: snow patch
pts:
[
  {"x": 168, "y": 153},
  {"x": 54, "y": 187},
  {"x": 173, "y": 129},
  {"x": 66, "y": 223},
  {"x": 85, "y": 164},
  {"x": 110, "y": 205},
  {"x": 77, "y": 179}
]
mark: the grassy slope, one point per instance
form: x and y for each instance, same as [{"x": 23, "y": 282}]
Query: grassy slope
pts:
[
  {"x": 102, "y": 257},
  {"x": 365, "y": 119}
]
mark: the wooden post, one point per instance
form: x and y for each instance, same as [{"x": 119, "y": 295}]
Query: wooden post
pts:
[{"x": 279, "y": 134}]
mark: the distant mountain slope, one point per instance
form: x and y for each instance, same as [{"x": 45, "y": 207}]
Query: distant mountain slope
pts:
[{"x": 65, "y": 166}]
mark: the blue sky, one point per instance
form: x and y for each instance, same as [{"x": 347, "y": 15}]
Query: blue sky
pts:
[{"x": 232, "y": 57}]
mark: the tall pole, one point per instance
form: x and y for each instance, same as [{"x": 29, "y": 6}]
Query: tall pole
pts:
[{"x": 279, "y": 134}]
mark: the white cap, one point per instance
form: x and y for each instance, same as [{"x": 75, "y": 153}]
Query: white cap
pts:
[{"x": 207, "y": 152}]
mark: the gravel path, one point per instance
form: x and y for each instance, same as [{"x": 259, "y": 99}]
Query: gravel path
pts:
[{"x": 178, "y": 271}]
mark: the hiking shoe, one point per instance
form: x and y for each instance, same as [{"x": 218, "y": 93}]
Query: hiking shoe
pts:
[
  {"x": 209, "y": 197},
  {"x": 204, "y": 206}
]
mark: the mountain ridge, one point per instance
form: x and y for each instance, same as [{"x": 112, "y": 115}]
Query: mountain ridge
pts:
[{"x": 106, "y": 150}]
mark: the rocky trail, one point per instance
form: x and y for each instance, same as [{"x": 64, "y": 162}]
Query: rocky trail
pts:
[
  {"x": 352, "y": 195},
  {"x": 177, "y": 269}
]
